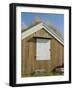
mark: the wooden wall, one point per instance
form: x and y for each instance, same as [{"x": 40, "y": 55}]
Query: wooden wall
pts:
[{"x": 28, "y": 54}]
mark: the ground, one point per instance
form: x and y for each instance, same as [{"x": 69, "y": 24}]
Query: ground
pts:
[{"x": 52, "y": 73}]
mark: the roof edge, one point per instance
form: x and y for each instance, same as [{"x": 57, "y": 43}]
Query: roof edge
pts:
[{"x": 37, "y": 28}]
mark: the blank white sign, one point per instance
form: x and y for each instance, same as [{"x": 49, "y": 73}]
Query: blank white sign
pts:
[{"x": 42, "y": 49}]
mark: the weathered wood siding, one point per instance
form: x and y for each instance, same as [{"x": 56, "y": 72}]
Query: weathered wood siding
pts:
[{"x": 28, "y": 53}]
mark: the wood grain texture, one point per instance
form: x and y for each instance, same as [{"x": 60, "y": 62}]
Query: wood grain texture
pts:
[{"x": 29, "y": 62}]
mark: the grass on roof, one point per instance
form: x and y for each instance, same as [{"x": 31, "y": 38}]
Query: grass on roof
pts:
[{"x": 23, "y": 30}]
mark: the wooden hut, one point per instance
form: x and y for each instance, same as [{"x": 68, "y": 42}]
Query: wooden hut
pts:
[{"x": 42, "y": 49}]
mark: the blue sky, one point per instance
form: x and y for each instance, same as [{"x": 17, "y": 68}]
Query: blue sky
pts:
[{"x": 56, "y": 20}]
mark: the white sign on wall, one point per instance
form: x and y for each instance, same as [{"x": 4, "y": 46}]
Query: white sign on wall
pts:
[{"x": 42, "y": 49}]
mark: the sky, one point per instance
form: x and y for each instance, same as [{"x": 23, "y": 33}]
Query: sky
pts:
[{"x": 57, "y": 20}]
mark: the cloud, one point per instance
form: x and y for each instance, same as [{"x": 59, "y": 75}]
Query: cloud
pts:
[{"x": 23, "y": 25}]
